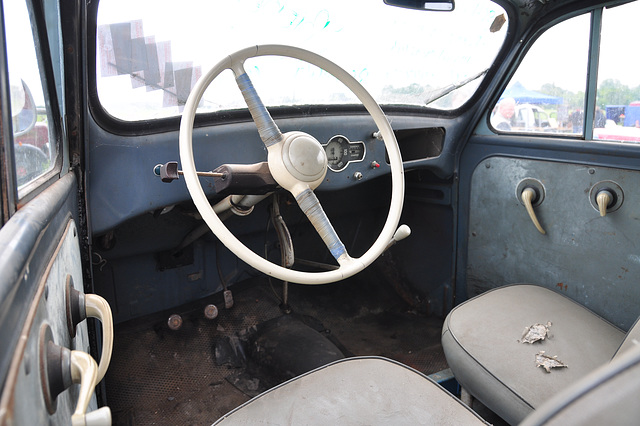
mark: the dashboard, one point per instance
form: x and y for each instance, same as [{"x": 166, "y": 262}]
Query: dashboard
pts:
[{"x": 355, "y": 156}]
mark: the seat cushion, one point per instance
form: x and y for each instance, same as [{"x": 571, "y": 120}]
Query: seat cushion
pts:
[
  {"x": 355, "y": 391},
  {"x": 608, "y": 396},
  {"x": 481, "y": 341}
]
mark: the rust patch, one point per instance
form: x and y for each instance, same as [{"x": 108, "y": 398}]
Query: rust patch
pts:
[{"x": 625, "y": 270}]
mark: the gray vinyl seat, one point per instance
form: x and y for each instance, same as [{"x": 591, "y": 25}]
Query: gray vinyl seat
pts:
[
  {"x": 378, "y": 391},
  {"x": 481, "y": 339},
  {"x": 355, "y": 391}
]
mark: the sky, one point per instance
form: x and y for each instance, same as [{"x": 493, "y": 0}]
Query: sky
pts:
[{"x": 560, "y": 54}]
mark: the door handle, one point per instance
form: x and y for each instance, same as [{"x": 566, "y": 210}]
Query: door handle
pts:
[
  {"x": 84, "y": 370},
  {"x": 606, "y": 197},
  {"x": 604, "y": 200},
  {"x": 61, "y": 367},
  {"x": 81, "y": 306},
  {"x": 528, "y": 198}
]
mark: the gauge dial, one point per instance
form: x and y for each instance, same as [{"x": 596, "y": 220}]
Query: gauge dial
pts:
[
  {"x": 335, "y": 152},
  {"x": 340, "y": 152}
]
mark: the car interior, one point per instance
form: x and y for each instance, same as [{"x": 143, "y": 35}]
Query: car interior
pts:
[{"x": 287, "y": 212}]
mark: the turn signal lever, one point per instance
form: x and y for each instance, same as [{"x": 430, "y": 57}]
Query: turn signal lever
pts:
[
  {"x": 81, "y": 306},
  {"x": 61, "y": 367},
  {"x": 401, "y": 233}
]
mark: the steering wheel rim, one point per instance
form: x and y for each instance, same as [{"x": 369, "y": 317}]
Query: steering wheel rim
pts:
[{"x": 347, "y": 268}]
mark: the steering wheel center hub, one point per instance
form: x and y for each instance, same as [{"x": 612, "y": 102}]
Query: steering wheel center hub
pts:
[{"x": 304, "y": 157}]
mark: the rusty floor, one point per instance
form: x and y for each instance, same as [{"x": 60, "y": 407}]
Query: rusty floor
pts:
[{"x": 163, "y": 377}]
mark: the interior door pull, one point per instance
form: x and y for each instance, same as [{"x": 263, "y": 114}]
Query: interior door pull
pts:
[
  {"x": 61, "y": 367},
  {"x": 528, "y": 197},
  {"x": 81, "y": 306},
  {"x": 84, "y": 370},
  {"x": 604, "y": 199},
  {"x": 97, "y": 307}
]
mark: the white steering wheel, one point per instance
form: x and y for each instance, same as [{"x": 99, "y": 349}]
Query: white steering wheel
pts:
[{"x": 297, "y": 162}]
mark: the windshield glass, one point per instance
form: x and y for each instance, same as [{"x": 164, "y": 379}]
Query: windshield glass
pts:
[{"x": 150, "y": 53}]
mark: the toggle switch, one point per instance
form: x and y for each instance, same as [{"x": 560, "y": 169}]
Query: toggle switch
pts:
[{"x": 81, "y": 306}]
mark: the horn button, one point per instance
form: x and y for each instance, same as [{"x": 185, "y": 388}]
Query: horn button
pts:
[{"x": 304, "y": 157}]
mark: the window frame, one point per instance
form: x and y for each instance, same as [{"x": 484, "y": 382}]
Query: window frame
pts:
[
  {"x": 12, "y": 198},
  {"x": 116, "y": 126},
  {"x": 591, "y": 76}
]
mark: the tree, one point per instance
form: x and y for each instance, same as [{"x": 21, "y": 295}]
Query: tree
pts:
[
  {"x": 572, "y": 99},
  {"x": 612, "y": 92}
]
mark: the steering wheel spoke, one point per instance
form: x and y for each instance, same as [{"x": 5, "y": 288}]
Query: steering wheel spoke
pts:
[
  {"x": 310, "y": 206},
  {"x": 267, "y": 128}
]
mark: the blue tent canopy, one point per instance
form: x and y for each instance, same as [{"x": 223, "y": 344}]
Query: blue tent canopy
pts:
[{"x": 525, "y": 96}]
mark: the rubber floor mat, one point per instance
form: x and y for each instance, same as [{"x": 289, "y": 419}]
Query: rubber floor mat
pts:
[{"x": 159, "y": 376}]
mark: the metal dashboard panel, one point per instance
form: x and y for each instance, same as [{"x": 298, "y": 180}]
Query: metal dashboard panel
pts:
[{"x": 592, "y": 259}]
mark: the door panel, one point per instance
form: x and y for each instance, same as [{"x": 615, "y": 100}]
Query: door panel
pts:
[
  {"x": 590, "y": 258},
  {"x": 577, "y": 252},
  {"x": 41, "y": 253}
]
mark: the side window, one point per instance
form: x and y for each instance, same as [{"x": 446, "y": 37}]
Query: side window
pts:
[
  {"x": 618, "y": 94},
  {"x": 35, "y": 147},
  {"x": 547, "y": 92}
]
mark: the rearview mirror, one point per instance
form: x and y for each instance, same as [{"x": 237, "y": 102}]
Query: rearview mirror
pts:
[{"x": 433, "y": 5}]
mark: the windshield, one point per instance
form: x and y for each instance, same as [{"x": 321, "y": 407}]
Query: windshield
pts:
[{"x": 150, "y": 53}]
